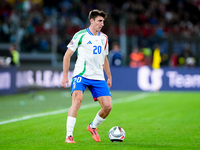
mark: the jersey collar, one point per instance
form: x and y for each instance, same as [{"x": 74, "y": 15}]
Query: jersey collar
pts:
[{"x": 91, "y": 32}]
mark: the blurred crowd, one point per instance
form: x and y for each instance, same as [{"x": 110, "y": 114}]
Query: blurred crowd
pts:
[
  {"x": 37, "y": 24},
  {"x": 145, "y": 56}
]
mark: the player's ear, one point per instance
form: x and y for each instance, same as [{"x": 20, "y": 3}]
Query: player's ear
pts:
[{"x": 91, "y": 20}]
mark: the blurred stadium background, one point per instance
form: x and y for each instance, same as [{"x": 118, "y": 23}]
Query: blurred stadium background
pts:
[
  {"x": 154, "y": 46},
  {"x": 41, "y": 29}
]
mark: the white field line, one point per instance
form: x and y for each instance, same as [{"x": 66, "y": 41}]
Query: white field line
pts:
[{"x": 116, "y": 101}]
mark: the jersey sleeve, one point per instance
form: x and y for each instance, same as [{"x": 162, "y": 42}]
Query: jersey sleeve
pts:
[{"x": 73, "y": 44}]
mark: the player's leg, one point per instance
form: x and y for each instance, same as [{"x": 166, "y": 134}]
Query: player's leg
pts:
[
  {"x": 100, "y": 92},
  {"x": 77, "y": 97},
  {"x": 77, "y": 90},
  {"x": 106, "y": 104}
]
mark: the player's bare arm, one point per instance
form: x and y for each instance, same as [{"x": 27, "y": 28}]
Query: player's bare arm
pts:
[
  {"x": 66, "y": 63},
  {"x": 107, "y": 71}
]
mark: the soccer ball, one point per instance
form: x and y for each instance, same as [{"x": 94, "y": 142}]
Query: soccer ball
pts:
[{"x": 116, "y": 134}]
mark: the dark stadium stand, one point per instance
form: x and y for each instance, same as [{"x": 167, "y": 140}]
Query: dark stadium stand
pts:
[{"x": 47, "y": 26}]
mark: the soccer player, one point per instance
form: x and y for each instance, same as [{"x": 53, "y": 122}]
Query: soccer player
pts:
[{"x": 92, "y": 50}]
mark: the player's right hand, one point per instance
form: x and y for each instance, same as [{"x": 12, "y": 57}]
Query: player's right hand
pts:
[{"x": 64, "y": 82}]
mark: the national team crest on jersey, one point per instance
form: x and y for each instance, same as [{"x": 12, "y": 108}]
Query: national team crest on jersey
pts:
[{"x": 102, "y": 41}]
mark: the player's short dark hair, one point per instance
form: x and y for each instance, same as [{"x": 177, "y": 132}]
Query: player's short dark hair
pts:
[{"x": 94, "y": 13}]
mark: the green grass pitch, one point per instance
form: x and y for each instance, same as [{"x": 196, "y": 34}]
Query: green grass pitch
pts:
[{"x": 160, "y": 120}]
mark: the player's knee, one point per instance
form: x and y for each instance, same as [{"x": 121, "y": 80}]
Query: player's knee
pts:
[
  {"x": 108, "y": 108},
  {"x": 77, "y": 97},
  {"x": 77, "y": 102}
]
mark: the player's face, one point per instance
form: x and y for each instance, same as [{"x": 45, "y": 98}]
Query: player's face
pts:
[{"x": 98, "y": 23}]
